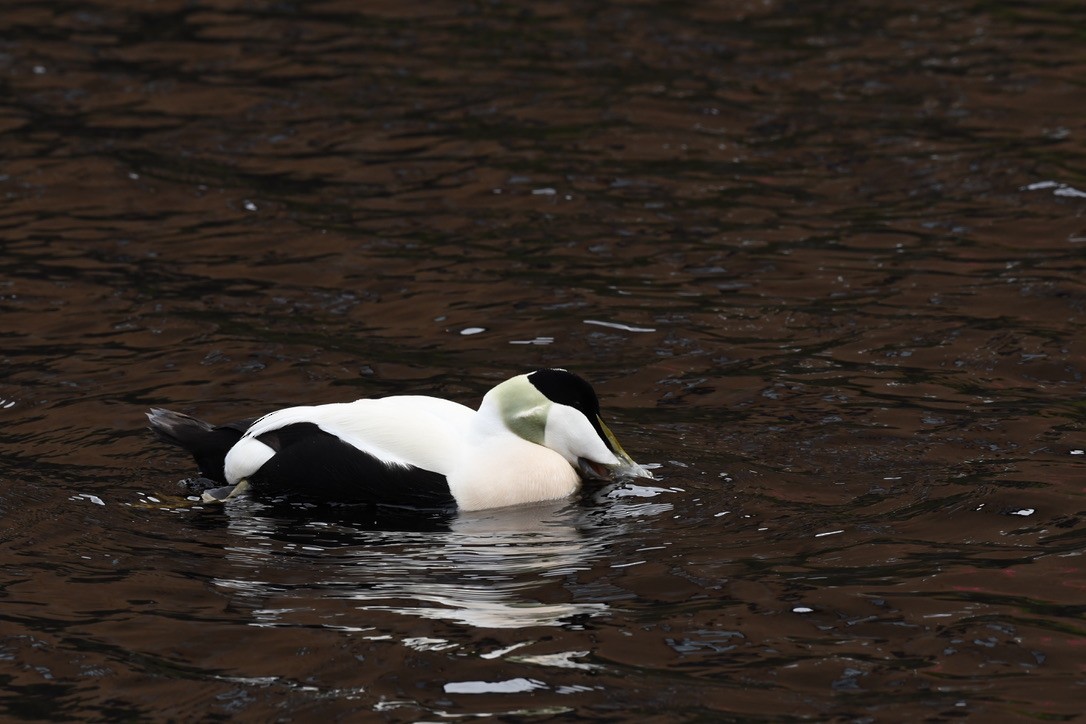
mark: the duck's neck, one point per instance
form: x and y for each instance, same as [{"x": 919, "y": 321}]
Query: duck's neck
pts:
[{"x": 500, "y": 468}]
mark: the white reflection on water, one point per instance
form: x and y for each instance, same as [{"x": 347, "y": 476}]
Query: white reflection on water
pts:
[
  {"x": 483, "y": 571},
  {"x": 510, "y": 686},
  {"x": 502, "y": 568}
]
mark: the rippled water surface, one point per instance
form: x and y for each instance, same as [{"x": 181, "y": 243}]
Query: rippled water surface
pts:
[{"x": 824, "y": 262}]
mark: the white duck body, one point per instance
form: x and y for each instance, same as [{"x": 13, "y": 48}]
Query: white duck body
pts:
[{"x": 524, "y": 444}]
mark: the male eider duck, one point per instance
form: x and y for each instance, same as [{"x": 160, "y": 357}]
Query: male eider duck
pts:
[{"x": 533, "y": 438}]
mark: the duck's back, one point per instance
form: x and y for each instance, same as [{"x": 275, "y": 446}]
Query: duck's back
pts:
[
  {"x": 411, "y": 431},
  {"x": 423, "y": 432}
]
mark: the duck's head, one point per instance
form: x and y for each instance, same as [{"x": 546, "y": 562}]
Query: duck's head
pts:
[{"x": 559, "y": 410}]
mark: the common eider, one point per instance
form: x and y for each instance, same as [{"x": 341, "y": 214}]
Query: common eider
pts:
[{"x": 533, "y": 438}]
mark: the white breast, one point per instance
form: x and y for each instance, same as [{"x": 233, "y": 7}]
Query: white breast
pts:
[{"x": 507, "y": 470}]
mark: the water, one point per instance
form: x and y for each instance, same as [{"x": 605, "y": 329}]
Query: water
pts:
[{"x": 824, "y": 263}]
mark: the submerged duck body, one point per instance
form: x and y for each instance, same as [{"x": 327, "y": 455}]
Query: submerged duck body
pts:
[{"x": 533, "y": 438}]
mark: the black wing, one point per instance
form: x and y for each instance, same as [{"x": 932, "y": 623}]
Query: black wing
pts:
[{"x": 311, "y": 464}]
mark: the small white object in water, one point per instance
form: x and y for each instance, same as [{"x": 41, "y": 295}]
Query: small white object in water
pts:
[
  {"x": 1073, "y": 452},
  {"x": 616, "y": 325},
  {"x": 830, "y": 532},
  {"x": 1069, "y": 191},
  {"x": 537, "y": 340},
  {"x": 1024, "y": 512},
  {"x": 802, "y": 609},
  {"x": 498, "y": 653},
  {"x": 1060, "y": 189},
  {"x": 249, "y": 205},
  {"x": 467, "y": 331},
  {"x": 630, "y": 490},
  {"x": 87, "y": 496},
  {"x": 562, "y": 660},
  {"x": 510, "y": 686}
]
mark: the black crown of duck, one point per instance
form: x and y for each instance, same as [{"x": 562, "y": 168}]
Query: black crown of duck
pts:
[{"x": 533, "y": 438}]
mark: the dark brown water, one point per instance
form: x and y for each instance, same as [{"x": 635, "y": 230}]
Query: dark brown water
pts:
[{"x": 825, "y": 262}]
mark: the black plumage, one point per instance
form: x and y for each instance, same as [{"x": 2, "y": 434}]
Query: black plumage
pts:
[
  {"x": 207, "y": 443},
  {"x": 312, "y": 463},
  {"x": 309, "y": 463}
]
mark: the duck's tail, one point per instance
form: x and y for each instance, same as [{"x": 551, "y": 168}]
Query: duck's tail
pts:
[{"x": 206, "y": 443}]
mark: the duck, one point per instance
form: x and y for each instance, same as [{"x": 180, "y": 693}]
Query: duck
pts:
[{"x": 534, "y": 437}]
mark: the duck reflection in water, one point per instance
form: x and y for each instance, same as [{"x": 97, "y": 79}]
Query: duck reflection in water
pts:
[{"x": 505, "y": 568}]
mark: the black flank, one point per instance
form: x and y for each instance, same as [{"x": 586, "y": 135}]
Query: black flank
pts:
[{"x": 311, "y": 464}]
